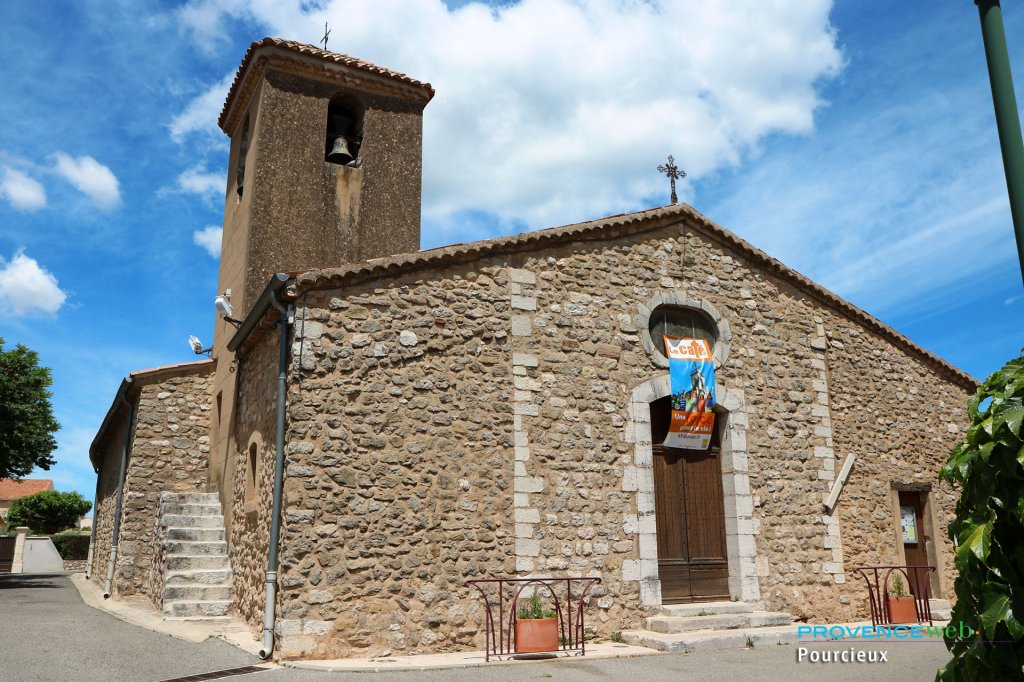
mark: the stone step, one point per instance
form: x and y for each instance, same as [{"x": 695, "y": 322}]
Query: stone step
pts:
[
  {"x": 191, "y": 521},
  {"x": 708, "y": 608},
  {"x": 942, "y": 614},
  {"x": 942, "y": 604},
  {"x": 203, "y": 534},
  {"x": 197, "y": 563},
  {"x": 198, "y": 618},
  {"x": 189, "y": 498},
  {"x": 198, "y": 577},
  {"x": 726, "y": 621},
  {"x": 190, "y": 509},
  {"x": 188, "y": 593},
  {"x": 709, "y": 640},
  {"x": 194, "y": 548},
  {"x": 184, "y": 609}
]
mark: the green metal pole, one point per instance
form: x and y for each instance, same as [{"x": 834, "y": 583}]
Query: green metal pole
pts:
[{"x": 1007, "y": 120}]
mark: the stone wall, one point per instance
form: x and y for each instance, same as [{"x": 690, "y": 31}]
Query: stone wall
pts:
[
  {"x": 399, "y": 476},
  {"x": 901, "y": 423},
  {"x": 109, "y": 457},
  {"x": 249, "y": 529},
  {"x": 464, "y": 422},
  {"x": 169, "y": 451}
]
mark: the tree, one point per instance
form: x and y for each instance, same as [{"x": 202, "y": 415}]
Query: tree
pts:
[
  {"x": 988, "y": 466},
  {"x": 26, "y": 418},
  {"x": 48, "y": 512}
]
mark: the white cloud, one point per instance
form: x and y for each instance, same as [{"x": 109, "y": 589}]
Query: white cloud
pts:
[
  {"x": 200, "y": 116},
  {"x": 896, "y": 206},
  {"x": 90, "y": 177},
  {"x": 203, "y": 20},
  {"x": 26, "y": 288},
  {"x": 198, "y": 180},
  {"x": 560, "y": 109},
  {"x": 209, "y": 238},
  {"x": 23, "y": 193}
]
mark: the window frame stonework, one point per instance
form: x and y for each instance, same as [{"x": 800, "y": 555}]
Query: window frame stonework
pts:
[{"x": 681, "y": 300}]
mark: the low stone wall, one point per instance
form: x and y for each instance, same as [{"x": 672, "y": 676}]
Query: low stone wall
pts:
[{"x": 40, "y": 556}]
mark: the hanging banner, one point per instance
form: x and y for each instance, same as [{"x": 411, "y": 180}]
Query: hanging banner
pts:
[{"x": 692, "y": 373}]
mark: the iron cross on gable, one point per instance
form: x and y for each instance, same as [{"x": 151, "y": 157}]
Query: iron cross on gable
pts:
[
  {"x": 674, "y": 174},
  {"x": 327, "y": 32}
]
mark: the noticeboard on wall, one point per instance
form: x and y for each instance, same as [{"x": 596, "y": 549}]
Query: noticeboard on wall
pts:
[{"x": 908, "y": 521}]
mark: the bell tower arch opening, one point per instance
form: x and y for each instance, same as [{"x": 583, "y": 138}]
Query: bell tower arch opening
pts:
[{"x": 344, "y": 131}]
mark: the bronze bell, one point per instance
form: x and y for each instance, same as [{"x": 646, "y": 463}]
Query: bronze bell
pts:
[{"x": 340, "y": 152}]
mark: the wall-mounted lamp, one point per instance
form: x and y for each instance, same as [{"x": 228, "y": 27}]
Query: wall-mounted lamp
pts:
[
  {"x": 197, "y": 346},
  {"x": 224, "y": 309}
]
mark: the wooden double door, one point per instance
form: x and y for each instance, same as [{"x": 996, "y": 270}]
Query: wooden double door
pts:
[{"x": 692, "y": 559}]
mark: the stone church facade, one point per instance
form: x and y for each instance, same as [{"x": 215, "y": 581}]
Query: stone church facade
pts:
[{"x": 496, "y": 409}]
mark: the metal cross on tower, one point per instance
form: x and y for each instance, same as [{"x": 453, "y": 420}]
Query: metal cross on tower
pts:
[
  {"x": 327, "y": 32},
  {"x": 674, "y": 174}
]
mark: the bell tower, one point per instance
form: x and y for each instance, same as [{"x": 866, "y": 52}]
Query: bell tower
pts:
[
  {"x": 325, "y": 166},
  {"x": 325, "y": 169}
]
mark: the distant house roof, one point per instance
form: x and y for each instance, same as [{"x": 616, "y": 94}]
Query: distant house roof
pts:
[
  {"x": 308, "y": 52},
  {"x": 11, "y": 490}
]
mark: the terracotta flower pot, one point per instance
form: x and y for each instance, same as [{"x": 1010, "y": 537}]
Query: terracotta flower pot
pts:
[
  {"x": 536, "y": 634},
  {"x": 902, "y": 610}
]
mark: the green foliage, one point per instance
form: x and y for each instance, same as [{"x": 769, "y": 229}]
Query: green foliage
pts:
[
  {"x": 26, "y": 418},
  {"x": 533, "y": 609},
  {"x": 72, "y": 545},
  {"x": 988, "y": 466},
  {"x": 897, "y": 591},
  {"x": 48, "y": 512}
]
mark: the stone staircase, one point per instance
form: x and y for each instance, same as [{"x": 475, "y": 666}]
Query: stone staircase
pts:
[
  {"x": 712, "y": 625},
  {"x": 194, "y": 556}
]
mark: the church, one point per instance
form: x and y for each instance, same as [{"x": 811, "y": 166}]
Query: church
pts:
[{"x": 377, "y": 424}]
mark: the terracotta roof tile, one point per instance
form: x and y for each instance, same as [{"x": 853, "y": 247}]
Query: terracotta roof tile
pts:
[
  {"x": 165, "y": 368},
  {"x": 15, "y": 490},
  {"x": 316, "y": 52},
  {"x": 603, "y": 228}
]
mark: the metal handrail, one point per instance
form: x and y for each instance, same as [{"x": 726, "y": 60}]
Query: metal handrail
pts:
[
  {"x": 878, "y": 590},
  {"x": 499, "y": 632}
]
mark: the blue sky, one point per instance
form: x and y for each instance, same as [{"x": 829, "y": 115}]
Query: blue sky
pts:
[{"x": 854, "y": 140}]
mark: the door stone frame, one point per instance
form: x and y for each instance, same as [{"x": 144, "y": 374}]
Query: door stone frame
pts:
[
  {"x": 737, "y": 499},
  {"x": 938, "y": 583}
]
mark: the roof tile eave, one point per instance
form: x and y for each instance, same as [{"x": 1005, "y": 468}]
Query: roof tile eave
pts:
[
  {"x": 312, "y": 51},
  {"x": 167, "y": 368},
  {"x": 536, "y": 238}
]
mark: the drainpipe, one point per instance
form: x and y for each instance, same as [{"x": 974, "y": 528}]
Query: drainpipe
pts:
[
  {"x": 120, "y": 492},
  {"x": 287, "y": 317},
  {"x": 92, "y": 535},
  {"x": 1007, "y": 121}
]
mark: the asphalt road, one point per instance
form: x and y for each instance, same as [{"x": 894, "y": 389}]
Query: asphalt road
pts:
[{"x": 48, "y": 633}]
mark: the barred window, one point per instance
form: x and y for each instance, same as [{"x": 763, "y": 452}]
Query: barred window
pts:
[{"x": 680, "y": 322}]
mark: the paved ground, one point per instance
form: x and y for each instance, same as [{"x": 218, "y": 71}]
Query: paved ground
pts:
[{"x": 48, "y": 633}]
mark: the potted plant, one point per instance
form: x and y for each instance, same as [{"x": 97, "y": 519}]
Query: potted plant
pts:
[
  {"x": 901, "y": 606},
  {"x": 536, "y": 628}
]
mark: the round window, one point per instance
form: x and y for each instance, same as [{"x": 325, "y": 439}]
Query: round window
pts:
[{"x": 680, "y": 322}]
